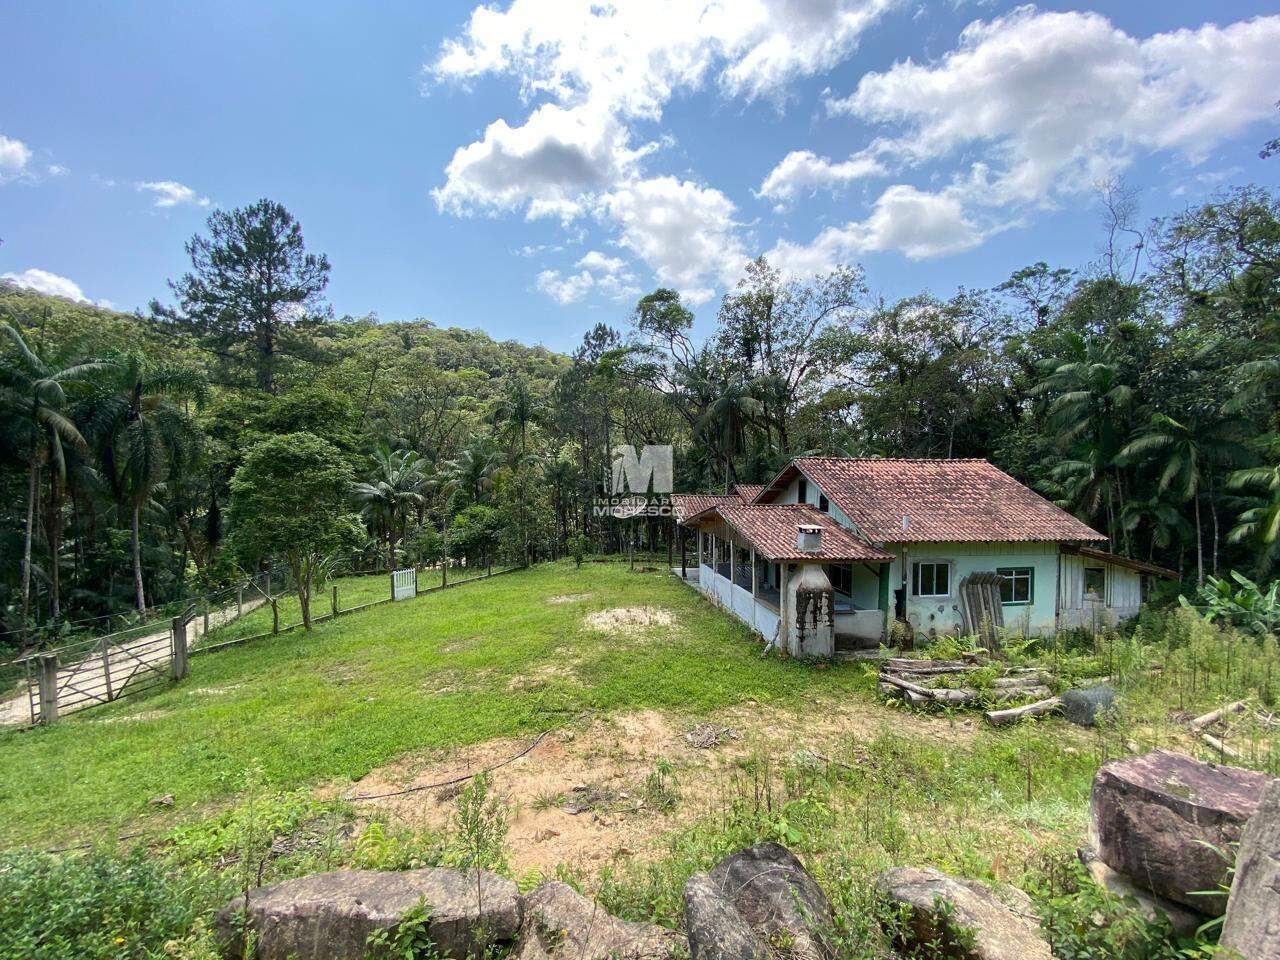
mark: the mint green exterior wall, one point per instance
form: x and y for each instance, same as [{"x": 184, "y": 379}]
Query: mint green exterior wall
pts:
[{"x": 942, "y": 614}]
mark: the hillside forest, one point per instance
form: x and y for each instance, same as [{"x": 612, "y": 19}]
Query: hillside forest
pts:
[{"x": 237, "y": 423}]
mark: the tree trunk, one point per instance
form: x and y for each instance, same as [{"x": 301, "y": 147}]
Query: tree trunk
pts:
[
  {"x": 136, "y": 546},
  {"x": 1199, "y": 546},
  {"x": 302, "y": 576},
  {"x": 53, "y": 536},
  {"x": 33, "y": 488}
]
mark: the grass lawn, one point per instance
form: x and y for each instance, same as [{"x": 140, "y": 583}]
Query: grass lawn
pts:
[{"x": 445, "y": 669}]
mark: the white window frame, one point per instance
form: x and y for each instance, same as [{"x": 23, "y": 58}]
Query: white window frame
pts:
[
  {"x": 915, "y": 577},
  {"x": 1084, "y": 581},
  {"x": 1013, "y": 574}
]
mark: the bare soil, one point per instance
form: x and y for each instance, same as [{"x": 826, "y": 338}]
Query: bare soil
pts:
[
  {"x": 632, "y": 620},
  {"x": 580, "y": 797}
]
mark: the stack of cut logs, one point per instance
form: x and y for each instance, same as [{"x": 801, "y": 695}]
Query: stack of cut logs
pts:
[
  {"x": 1216, "y": 726},
  {"x": 915, "y": 682}
]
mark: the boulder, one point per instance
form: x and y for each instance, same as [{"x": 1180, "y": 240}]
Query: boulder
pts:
[
  {"x": 769, "y": 888},
  {"x": 1168, "y": 823},
  {"x": 954, "y": 917},
  {"x": 1184, "y": 920},
  {"x": 562, "y": 924},
  {"x": 1087, "y": 705},
  {"x": 716, "y": 930},
  {"x": 1252, "y": 926},
  {"x": 329, "y": 916}
]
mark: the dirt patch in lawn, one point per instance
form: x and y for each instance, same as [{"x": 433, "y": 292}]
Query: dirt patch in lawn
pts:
[
  {"x": 630, "y": 620},
  {"x": 600, "y": 789},
  {"x": 568, "y": 598}
]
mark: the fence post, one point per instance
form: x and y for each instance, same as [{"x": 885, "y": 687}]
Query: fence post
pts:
[
  {"x": 275, "y": 616},
  {"x": 178, "y": 653},
  {"x": 206, "y": 616},
  {"x": 48, "y": 687},
  {"x": 106, "y": 666},
  {"x": 239, "y": 601},
  {"x": 393, "y": 586},
  {"x": 444, "y": 573},
  {"x": 333, "y": 602}
]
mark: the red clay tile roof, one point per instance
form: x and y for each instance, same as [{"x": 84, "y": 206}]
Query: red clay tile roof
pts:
[
  {"x": 771, "y": 529},
  {"x": 962, "y": 500},
  {"x": 688, "y": 505},
  {"x": 747, "y": 491}
]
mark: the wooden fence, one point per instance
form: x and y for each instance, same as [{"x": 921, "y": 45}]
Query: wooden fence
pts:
[{"x": 94, "y": 672}]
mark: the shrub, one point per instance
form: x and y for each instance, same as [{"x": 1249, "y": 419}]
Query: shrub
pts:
[{"x": 99, "y": 905}]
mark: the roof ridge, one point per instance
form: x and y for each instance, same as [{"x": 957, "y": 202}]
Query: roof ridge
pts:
[{"x": 899, "y": 459}]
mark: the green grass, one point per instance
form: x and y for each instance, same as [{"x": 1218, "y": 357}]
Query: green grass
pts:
[{"x": 442, "y": 670}]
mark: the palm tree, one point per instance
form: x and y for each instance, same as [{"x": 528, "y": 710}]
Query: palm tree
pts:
[
  {"x": 1185, "y": 453},
  {"x": 514, "y": 414},
  {"x": 1260, "y": 521},
  {"x": 136, "y": 426},
  {"x": 472, "y": 469},
  {"x": 395, "y": 487},
  {"x": 33, "y": 393},
  {"x": 724, "y": 421},
  {"x": 1090, "y": 409}
]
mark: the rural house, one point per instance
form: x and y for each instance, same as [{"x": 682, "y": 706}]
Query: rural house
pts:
[{"x": 833, "y": 550}]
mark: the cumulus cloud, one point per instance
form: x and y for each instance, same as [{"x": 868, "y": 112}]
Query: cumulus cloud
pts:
[
  {"x": 14, "y": 158},
  {"x": 802, "y": 171},
  {"x": 42, "y": 281},
  {"x": 1054, "y": 101},
  {"x": 604, "y": 67},
  {"x": 610, "y": 276},
  {"x": 565, "y": 290},
  {"x": 915, "y": 223},
  {"x": 170, "y": 193},
  {"x": 684, "y": 231}
]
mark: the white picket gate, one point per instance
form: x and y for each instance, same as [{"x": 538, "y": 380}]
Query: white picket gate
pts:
[{"x": 404, "y": 584}]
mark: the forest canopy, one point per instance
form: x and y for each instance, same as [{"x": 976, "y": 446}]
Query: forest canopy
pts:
[{"x": 1138, "y": 390}]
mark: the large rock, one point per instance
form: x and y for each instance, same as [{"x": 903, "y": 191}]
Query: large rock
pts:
[
  {"x": 955, "y": 917},
  {"x": 777, "y": 900},
  {"x": 716, "y": 930},
  {"x": 329, "y": 916},
  {"x": 1168, "y": 822},
  {"x": 1252, "y": 926},
  {"x": 562, "y": 924},
  {"x": 1184, "y": 920}
]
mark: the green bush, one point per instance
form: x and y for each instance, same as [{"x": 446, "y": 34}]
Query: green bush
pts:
[{"x": 99, "y": 905}]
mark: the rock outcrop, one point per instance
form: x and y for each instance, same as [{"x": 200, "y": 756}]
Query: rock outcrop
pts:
[
  {"x": 955, "y": 917},
  {"x": 562, "y": 924},
  {"x": 1252, "y": 925},
  {"x": 1169, "y": 822},
  {"x": 756, "y": 903},
  {"x": 330, "y": 916}
]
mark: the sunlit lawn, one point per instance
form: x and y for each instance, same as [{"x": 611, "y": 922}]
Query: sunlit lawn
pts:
[{"x": 447, "y": 668}]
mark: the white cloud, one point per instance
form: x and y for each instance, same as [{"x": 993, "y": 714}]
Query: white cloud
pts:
[
  {"x": 565, "y": 289},
  {"x": 58, "y": 170},
  {"x": 42, "y": 281},
  {"x": 599, "y": 262},
  {"x": 14, "y": 158},
  {"x": 684, "y": 231},
  {"x": 1051, "y": 102},
  {"x": 600, "y": 68},
  {"x": 170, "y": 193},
  {"x": 904, "y": 220},
  {"x": 802, "y": 171}
]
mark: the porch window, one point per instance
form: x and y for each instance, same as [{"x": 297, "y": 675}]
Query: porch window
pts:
[
  {"x": 1018, "y": 584},
  {"x": 841, "y": 577},
  {"x": 931, "y": 579},
  {"x": 1095, "y": 582}
]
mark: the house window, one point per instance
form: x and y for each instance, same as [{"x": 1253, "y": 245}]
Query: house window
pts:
[
  {"x": 802, "y": 490},
  {"x": 931, "y": 579},
  {"x": 823, "y": 504},
  {"x": 1018, "y": 585},
  {"x": 841, "y": 577},
  {"x": 1095, "y": 581}
]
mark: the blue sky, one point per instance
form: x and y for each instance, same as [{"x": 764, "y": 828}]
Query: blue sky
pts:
[{"x": 530, "y": 168}]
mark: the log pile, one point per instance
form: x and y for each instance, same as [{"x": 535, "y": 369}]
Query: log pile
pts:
[
  {"x": 942, "y": 681},
  {"x": 1216, "y": 727}
]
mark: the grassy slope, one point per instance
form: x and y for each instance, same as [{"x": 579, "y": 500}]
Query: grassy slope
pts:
[{"x": 427, "y": 673}]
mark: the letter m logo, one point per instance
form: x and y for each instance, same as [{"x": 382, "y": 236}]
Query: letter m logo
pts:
[{"x": 651, "y": 471}]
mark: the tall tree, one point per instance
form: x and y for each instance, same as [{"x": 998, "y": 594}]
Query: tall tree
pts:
[
  {"x": 136, "y": 424},
  {"x": 33, "y": 394},
  {"x": 395, "y": 487},
  {"x": 251, "y": 284}
]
